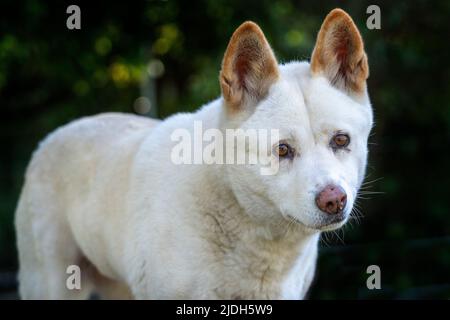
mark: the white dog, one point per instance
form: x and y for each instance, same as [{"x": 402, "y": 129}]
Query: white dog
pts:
[{"x": 102, "y": 192}]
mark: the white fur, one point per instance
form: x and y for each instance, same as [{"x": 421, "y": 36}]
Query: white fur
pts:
[{"x": 102, "y": 192}]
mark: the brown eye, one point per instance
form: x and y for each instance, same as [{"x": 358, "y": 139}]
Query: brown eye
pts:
[
  {"x": 340, "y": 140},
  {"x": 283, "y": 150}
]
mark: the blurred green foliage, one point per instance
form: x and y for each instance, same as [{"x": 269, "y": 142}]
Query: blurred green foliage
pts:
[{"x": 50, "y": 75}]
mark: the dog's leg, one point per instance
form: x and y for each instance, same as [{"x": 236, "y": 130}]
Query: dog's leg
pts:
[
  {"x": 46, "y": 247},
  {"x": 111, "y": 289}
]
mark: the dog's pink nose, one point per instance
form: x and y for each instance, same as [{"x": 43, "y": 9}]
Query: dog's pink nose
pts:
[{"x": 332, "y": 199}]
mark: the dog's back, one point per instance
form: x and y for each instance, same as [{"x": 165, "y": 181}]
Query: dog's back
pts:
[{"x": 71, "y": 176}]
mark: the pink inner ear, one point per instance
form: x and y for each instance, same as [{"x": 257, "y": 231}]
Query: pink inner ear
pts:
[
  {"x": 249, "y": 53},
  {"x": 342, "y": 49},
  {"x": 342, "y": 52},
  {"x": 342, "y": 43},
  {"x": 242, "y": 69}
]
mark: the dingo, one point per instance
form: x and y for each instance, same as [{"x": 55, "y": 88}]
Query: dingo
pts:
[{"x": 102, "y": 192}]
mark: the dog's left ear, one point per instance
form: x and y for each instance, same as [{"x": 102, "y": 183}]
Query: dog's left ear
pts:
[
  {"x": 249, "y": 67},
  {"x": 339, "y": 54}
]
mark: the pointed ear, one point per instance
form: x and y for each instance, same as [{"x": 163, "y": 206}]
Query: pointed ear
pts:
[
  {"x": 339, "y": 53},
  {"x": 249, "y": 67}
]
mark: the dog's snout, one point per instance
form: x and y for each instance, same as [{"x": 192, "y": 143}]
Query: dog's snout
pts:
[{"x": 332, "y": 199}]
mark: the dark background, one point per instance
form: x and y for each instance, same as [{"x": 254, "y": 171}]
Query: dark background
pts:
[{"x": 170, "y": 52}]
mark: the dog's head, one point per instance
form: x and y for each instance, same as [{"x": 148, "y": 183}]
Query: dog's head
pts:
[{"x": 323, "y": 115}]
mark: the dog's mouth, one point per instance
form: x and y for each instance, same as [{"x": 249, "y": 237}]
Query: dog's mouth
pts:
[
  {"x": 334, "y": 224},
  {"x": 328, "y": 223}
]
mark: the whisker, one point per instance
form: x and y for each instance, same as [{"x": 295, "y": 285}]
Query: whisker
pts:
[
  {"x": 366, "y": 182},
  {"x": 324, "y": 240},
  {"x": 363, "y": 192}
]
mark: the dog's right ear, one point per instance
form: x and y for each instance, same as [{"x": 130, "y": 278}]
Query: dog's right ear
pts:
[{"x": 249, "y": 67}]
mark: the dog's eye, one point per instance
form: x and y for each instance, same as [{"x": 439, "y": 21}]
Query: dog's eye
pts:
[
  {"x": 340, "y": 140},
  {"x": 283, "y": 150}
]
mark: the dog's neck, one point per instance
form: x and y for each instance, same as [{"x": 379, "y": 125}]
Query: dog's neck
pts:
[{"x": 252, "y": 252}]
